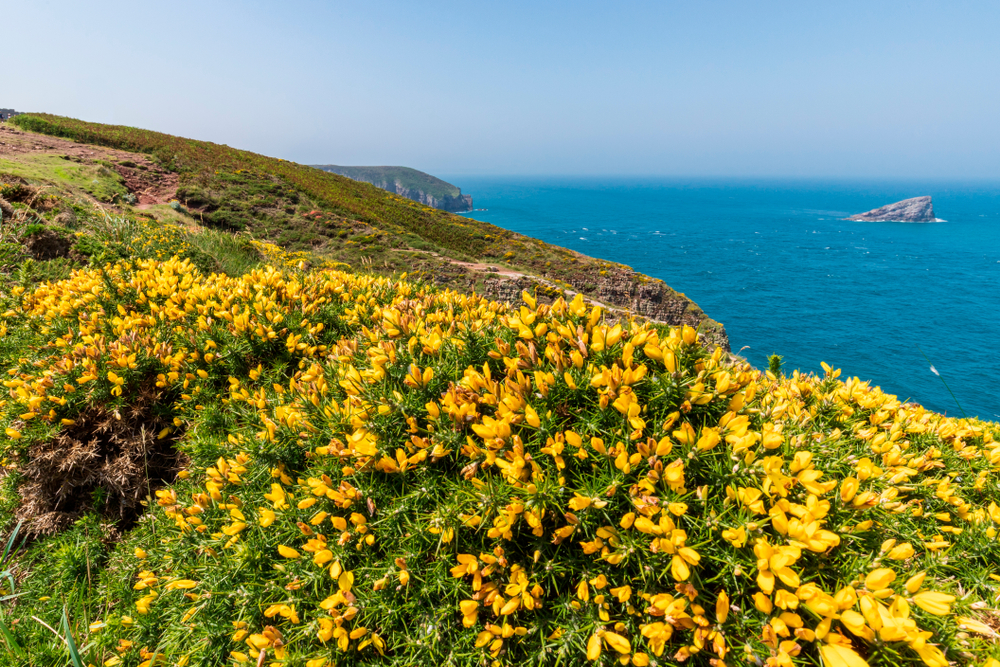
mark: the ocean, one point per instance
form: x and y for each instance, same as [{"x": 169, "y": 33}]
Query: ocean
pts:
[{"x": 777, "y": 264}]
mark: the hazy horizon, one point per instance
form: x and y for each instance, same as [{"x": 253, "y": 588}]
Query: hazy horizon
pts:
[
  {"x": 765, "y": 178},
  {"x": 889, "y": 90}
]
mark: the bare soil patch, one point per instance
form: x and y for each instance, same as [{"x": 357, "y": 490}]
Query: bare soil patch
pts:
[
  {"x": 48, "y": 244},
  {"x": 144, "y": 178},
  {"x": 148, "y": 185}
]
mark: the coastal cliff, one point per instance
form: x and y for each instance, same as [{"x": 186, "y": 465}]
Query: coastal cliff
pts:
[
  {"x": 410, "y": 183},
  {"x": 454, "y": 204}
]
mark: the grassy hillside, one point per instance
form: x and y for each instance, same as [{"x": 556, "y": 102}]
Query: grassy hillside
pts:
[
  {"x": 96, "y": 180},
  {"x": 219, "y": 451},
  {"x": 301, "y": 208},
  {"x": 244, "y": 191},
  {"x": 411, "y": 179}
]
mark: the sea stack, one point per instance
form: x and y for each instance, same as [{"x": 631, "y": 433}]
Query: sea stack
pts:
[{"x": 917, "y": 209}]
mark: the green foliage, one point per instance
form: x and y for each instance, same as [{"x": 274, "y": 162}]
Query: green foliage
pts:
[
  {"x": 37, "y": 227},
  {"x": 234, "y": 255},
  {"x": 96, "y": 180},
  {"x": 89, "y": 245},
  {"x": 9, "y": 554},
  {"x": 11, "y": 254},
  {"x": 203, "y": 261},
  {"x": 14, "y": 649},
  {"x": 31, "y": 271},
  {"x": 75, "y": 658},
  {"x": 774, "y": 364},
  {"x": 64, "y": 562},
  {"x": 64, "y": 570},
  {"x": 14, "y": 192}
]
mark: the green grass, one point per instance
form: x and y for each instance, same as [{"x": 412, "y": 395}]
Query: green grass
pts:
[
  {"x": 234, "y": 255},
  {"x": 96, "y": 180},
  {"x": 166, "y": 213}
]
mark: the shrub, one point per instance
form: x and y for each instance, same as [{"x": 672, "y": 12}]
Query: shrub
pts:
[
  {"x": 88, "y": 246},
  {"x": 381, "y": 473},
  {"x": 204, "y": 262},
  {"x": 197, "y": 198},
  {"x": 224, "y": 219}
]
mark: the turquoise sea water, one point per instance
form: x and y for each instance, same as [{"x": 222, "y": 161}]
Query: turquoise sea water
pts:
[{"x": 775, "y": 263}]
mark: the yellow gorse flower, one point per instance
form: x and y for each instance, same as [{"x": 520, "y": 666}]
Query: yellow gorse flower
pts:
[{"x": 581, "y": 458}]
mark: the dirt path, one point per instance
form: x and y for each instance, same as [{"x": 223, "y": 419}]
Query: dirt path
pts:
[
  {"x": 472, "y": 266},
  {"x": 148, "y": 182}
]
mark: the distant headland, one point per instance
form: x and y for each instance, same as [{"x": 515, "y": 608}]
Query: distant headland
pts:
[
  {"x": 410, "y": 183},
  {"x": 917, "y": 209}
]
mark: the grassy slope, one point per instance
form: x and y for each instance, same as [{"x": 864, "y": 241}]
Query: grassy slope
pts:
[
  {"x": 411, "y": 179},
  {"x": 341, "y": 197},
  {"x": 302, "y": 208},
  {"x": 96, "y": 180}
]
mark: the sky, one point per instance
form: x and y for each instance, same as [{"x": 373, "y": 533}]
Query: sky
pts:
[{"x": 867, "y": 89}]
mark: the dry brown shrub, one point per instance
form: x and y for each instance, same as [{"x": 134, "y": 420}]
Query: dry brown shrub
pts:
[
  {"x": 48, "y": 244},
  {"x": 108, "y": 461}
]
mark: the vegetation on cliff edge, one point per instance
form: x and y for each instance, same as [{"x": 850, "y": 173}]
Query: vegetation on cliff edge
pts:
[{"x": 301, "y": 208}]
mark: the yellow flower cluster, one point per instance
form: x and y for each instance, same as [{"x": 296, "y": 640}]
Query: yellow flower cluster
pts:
[
  {"x": 527, "y": 485},
  {"x": 299, "y": 259},
  {"x": 160, "y": 240}
]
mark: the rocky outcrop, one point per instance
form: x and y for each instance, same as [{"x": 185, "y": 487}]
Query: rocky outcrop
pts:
[
  {"x": 917, "y": 209},
  {"x": 453, "y": 204},
  {"x": 507, "y": 290}
]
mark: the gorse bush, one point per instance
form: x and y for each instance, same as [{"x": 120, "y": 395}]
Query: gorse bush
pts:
[{"x": 377, "y": 472}]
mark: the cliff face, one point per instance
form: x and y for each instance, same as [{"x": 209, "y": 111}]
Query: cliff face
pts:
[
  {"x": 410, "y": 183},
  {"x": 454, "y": 204}
]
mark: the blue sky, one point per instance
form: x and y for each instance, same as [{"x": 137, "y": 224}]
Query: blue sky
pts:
[{"x": 846, "y": 89}]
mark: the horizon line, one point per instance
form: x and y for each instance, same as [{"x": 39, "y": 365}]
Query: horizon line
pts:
[{"x": 766, "y": 177}]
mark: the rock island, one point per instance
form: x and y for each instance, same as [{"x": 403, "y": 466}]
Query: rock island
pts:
[{"x": 917, "y": 209}]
